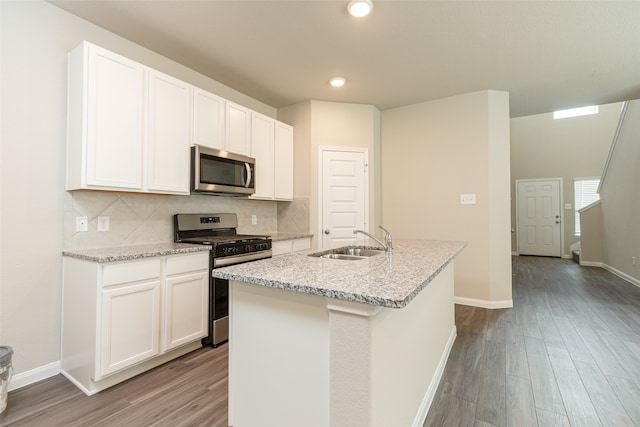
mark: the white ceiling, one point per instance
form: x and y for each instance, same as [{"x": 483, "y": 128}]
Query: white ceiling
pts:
[{"x": 547, "y": 54}]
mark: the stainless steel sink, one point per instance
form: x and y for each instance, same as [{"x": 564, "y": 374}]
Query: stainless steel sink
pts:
[
  {"x": 342, "y": 256},
  {"x": 351, "y": 253}
]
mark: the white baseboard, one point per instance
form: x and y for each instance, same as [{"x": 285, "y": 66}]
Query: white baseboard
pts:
[
  {"x": 590, "y": 264},
  {"x": 483, "y": 303},
  {"x": 622, "y": 275},
  {"x": 427, "y": 400},
  {"x": 34, "y": 375}
]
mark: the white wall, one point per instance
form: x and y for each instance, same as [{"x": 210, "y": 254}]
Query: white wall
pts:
[
  {"x": 569, "y": 148},
  {"x": 621, "y": 201},
  {"x": 321, "y": 123},
  {"x": 36, "y": 37},
  {"x": 432, "y": 153}
]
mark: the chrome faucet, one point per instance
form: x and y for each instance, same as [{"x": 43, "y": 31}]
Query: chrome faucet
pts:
[
  {"x": 388, "y": 245},
  {"x": 387, "y": 238}
]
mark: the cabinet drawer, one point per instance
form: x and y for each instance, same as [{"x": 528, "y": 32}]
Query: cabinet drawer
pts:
[
  {"x": 185, "y": 263},
  {"x": 131, "y": 271}
]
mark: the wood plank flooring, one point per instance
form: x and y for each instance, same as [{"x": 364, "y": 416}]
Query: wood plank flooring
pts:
[
  {"x": 188, "y": 391},
  {"x": 567, "y": 354}
]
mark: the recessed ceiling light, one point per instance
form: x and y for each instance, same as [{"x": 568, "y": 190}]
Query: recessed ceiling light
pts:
[
  {"x": 337, "y": 81},
  {"x": 359, "y": 8}
]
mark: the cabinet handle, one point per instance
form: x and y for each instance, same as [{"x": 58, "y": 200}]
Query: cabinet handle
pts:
[
  {"x": 327, "y": 231},
  {"x": 248, "y": 169}
]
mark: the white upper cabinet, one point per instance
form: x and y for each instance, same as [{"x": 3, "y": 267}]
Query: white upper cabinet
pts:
[
  {"x": 238, "y": 129},
  {"x": 119, "y": 109},
  {"x": 169, "y": 122},
  {"x": 262, "y": 149},
  {"x": 130, "y": 128},
  {"x": 208, "y": 119},
  {"x": 105, "y": 120},
  {"x": 283, "y": 162},
  {"x": 272, "y": 147}
]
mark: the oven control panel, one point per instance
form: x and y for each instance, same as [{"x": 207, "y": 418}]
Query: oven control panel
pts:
[{"x": 240, "y": 248}]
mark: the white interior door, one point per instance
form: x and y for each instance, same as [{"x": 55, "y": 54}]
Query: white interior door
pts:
[
  {"x": 539, "y": 221},
  {"x": 344, "y": 203}
]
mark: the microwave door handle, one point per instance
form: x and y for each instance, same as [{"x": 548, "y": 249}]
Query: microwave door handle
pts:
[{"x": 248, "y": 169}]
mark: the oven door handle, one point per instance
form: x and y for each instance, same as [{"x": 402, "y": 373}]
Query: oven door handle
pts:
[
  {"x": 237, "y": 259},
  {"x": 247, "y": 167}
]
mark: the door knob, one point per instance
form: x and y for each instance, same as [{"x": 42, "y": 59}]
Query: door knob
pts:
[{"x": 327, "y": 231}]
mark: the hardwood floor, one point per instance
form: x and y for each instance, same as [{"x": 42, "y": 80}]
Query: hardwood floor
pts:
[
  {"x": 188, "y": 391},
  {"x": 567, "y": 354}
]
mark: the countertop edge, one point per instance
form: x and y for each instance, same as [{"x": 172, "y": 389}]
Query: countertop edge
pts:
[
  {"x": 127, "y": 253},
  {"x": 277, "y": 237}
]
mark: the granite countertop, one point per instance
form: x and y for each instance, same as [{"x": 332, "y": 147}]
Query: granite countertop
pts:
[
  {"x": 125, "y": 253},
  {"x": 379, "y": 280},
  {"x": 288, "y": 236}
]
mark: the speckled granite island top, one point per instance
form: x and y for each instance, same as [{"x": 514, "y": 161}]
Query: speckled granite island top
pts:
[
  {"x": 125, "y": 253},
  {"x": 378, "y": 280}
]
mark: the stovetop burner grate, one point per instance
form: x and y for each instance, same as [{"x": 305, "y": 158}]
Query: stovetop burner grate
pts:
[{"x": 217, "y": 240}]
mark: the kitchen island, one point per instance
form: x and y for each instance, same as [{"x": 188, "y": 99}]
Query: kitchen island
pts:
[{"x": 333, "y": 342}]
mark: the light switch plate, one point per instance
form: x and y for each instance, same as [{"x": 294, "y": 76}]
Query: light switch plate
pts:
[
  {"x": 467, "y": 199},
  {"x": 254, "y": 219},
  {"x": 103, "y": 223},
  {"x": 568, "y": 206}
]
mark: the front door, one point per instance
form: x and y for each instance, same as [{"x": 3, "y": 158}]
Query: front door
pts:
[
  {"x": 539, "y": 222},
  {"x": 344, "y": 203}
]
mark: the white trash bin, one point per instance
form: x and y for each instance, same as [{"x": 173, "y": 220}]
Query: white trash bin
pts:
[{"x": 6, "y": 370}]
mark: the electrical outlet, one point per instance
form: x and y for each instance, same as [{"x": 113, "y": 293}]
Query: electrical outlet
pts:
[
  {"x": 82, "y": 224},
  {"x": 103, "y": 223},
  {"x": 467, "y": 199},
  {"x": 254, "y": 219}
]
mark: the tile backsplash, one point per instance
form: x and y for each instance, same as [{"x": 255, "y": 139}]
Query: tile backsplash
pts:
[
  {"x": 293, "y": 217},
  {"x": 148, "y": 218}
]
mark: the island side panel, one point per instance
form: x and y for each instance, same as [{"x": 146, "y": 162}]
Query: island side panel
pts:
[
  {"x": 408, "y": 347},
  {"x": 278, "y": 358}
]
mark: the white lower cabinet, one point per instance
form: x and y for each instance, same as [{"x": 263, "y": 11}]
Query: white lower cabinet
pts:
[
  {"x": 186, "y": 304},
  {"x": 123, "y": 318},
  {"x": 128, "y": 326},
  {"x": 282, "y": 247}
]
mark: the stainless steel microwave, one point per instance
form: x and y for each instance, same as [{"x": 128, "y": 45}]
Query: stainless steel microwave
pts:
[{"x": 221, "y": 173}]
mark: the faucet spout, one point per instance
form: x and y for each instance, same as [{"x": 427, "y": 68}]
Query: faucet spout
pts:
[{"x": 388, "y": 240}]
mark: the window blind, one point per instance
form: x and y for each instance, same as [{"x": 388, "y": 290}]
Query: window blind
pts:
[{"x": 585, "y": 193}]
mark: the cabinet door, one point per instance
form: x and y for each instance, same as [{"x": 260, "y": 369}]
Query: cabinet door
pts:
[
  {"x": 185, "y": 309},
  {"x": 262, "y": 145},
  {"x": 238, "y": 129},
  {"x": 129, "y": 326},
  {"x": 168, "y": 134},
  {"x": 114, "y": 96},
  {"x": 283, "y": 162},
  {"x": 281, "y": 247},
  {"x": 208, "y": 119}
]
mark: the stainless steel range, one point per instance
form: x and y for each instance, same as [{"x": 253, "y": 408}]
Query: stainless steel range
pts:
[{"x": 228, "y": 248}]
